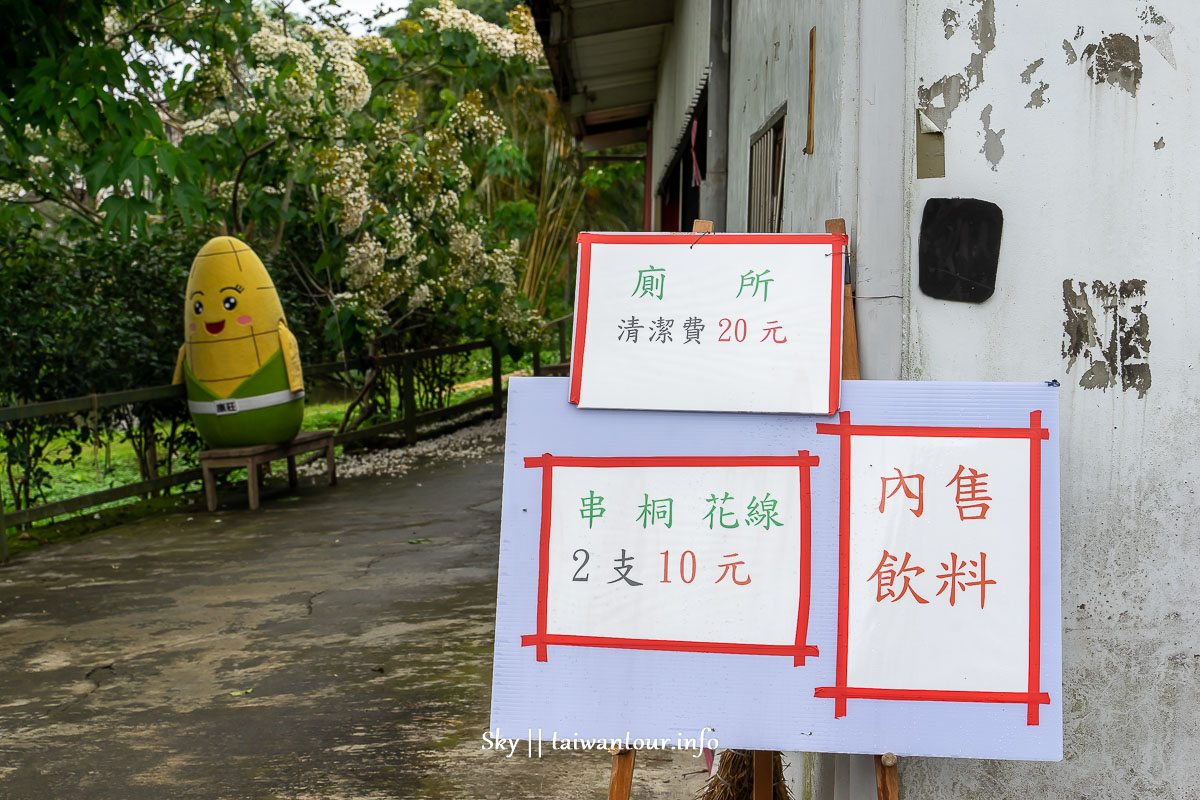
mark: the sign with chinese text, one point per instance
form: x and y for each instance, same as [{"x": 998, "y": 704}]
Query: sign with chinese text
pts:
[
  {"x": 708, "y": 522},
  {"x": 884, "y": 581},
  {"x": 708, "y": 322},
  {"x": 935, "y": 555}
]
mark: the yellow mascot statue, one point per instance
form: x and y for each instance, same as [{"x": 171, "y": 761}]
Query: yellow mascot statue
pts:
[{"x": 239, "y": 361}]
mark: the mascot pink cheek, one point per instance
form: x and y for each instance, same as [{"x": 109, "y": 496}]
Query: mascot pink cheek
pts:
[
  {"x": 245, "y": 319},
  {"x": 192, "y": 327}
]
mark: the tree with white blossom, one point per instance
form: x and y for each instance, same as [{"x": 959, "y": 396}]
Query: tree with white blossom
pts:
[{"x": 352, "y": 161}]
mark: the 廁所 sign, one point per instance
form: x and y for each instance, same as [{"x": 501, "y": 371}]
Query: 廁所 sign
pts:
[
  {"x": 886, "y": 580},
  {"x": 708, "y": 322}
]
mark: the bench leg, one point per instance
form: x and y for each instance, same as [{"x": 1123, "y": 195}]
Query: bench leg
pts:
[
  {"x": 210, "y": 488},
  {"x": 252, "y": 483},
  {"x": 293, "y": 480},
  {"x": 331, "y": 463}
]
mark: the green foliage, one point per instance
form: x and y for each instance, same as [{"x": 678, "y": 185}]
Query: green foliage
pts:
[
  {"x": 83, "y": 122},
  {"x": 91, "y": 316}
]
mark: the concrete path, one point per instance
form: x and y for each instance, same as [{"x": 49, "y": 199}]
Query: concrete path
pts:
[{"x": 333, "y": 645}]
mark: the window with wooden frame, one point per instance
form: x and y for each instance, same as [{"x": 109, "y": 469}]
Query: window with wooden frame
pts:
[{"x": 766, "y": 175}]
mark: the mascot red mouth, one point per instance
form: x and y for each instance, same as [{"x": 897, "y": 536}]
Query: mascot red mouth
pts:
[{"x": 214, "y": 327}]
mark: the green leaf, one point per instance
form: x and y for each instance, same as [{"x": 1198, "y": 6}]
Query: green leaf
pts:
[{"x": 167, "y": 159}]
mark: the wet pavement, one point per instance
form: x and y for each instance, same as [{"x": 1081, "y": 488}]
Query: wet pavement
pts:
[{"x": 336, "y": 644}]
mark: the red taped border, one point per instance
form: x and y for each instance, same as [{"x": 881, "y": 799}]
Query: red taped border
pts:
[
  {"x": 1033, "y": 697},
  {"x": 583, "y": 286},
  {"x": 1035, "y": 559},
  {"x": 798, "y": 651}
]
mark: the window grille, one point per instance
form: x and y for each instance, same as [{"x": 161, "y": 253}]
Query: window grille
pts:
[{"x": 766, "y": 176}]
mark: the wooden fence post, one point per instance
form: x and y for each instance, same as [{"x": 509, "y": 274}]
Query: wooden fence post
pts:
[
  {"x": 497, "y": 398},
  {"x": 537, "y": 359},
  {"x": 3, "y": 533},
  {"x": 408, "y": 399}
]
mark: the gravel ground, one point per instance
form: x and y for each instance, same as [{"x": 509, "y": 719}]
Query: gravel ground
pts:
[{"x": 477, "y": 441}]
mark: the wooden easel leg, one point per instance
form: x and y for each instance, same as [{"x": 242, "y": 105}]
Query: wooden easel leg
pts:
[
  {"x": 887, "y": 782},
  {"x": 764, "y": 774},
  {"x": 621, "y": 781}
]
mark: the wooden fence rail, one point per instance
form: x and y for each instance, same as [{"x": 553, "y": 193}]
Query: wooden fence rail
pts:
[{"x": 406, "y": 427}]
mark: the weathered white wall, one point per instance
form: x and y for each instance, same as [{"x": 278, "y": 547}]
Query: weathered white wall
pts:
[
  {"x": 768, "y": 66},
  {"x": 1097, "y": 182},
  {"x": 680, "y": 75}
]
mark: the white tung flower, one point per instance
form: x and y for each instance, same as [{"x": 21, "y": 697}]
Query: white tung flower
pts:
[
  {"x": 364, "y": 260},
  {"x": 420, "y": 297},
  {"x": 11, "y": 191},
  {"x": 211, "y": 122},
  {"x": 505, "y": 43}
]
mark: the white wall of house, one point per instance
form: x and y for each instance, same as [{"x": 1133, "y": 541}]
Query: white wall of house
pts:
[
  {"x": 856, "y": 170},
  {"x": 680, "y": 76},
  {"x": 768, "y": 67},
  {"x": 1077, "y": 119},
  {"x": 1096, "y": 171}
]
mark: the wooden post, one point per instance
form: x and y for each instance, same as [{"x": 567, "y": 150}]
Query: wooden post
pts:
[
  {"x": 764, "y": 774},
  {"x": 620, "y": 782},
  {"x": 252, "y": 482},
  {"x": 331, "y": 460},
  {"x": 293, "y": 478},
  {"x": 408, "y": 400},
  {"x": 537, "y": 359},
  {"x": 210, "y": 487},
  {"x": 3, "y": 533},
  {"x": 887, "y": 781},
  {"x": 849, "y": 331},
  {"x": 497, "y": 397},
  {"x": 812, "y": 88}
]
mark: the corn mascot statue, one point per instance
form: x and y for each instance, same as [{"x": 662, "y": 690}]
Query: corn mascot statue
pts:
[{"x": 239, "y": 361}]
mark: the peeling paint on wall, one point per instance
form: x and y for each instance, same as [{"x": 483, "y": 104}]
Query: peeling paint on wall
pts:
[
  {"x": 983, "y": 31},
  {"x": 1116, "y": 60},
  {"x": 950, "y": 21},
  {"x": 1070, "y": 52},
  {"x": 1107, "y": 329},
  {"x": 953, "y": 89},
  {"x": 1157, "y": 30},
  {"x": 1037, "y": 98},
  {"x": 993, "y": 148},
  {"x": 1160, "y": 144}
]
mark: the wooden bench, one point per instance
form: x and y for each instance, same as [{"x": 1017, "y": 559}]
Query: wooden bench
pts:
[{"x": 252, "y": 457}]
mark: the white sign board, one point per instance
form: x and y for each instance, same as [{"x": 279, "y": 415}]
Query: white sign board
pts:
[
  {"x": 708, "y": 322},
  {"x": 887, "y": 580}
]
